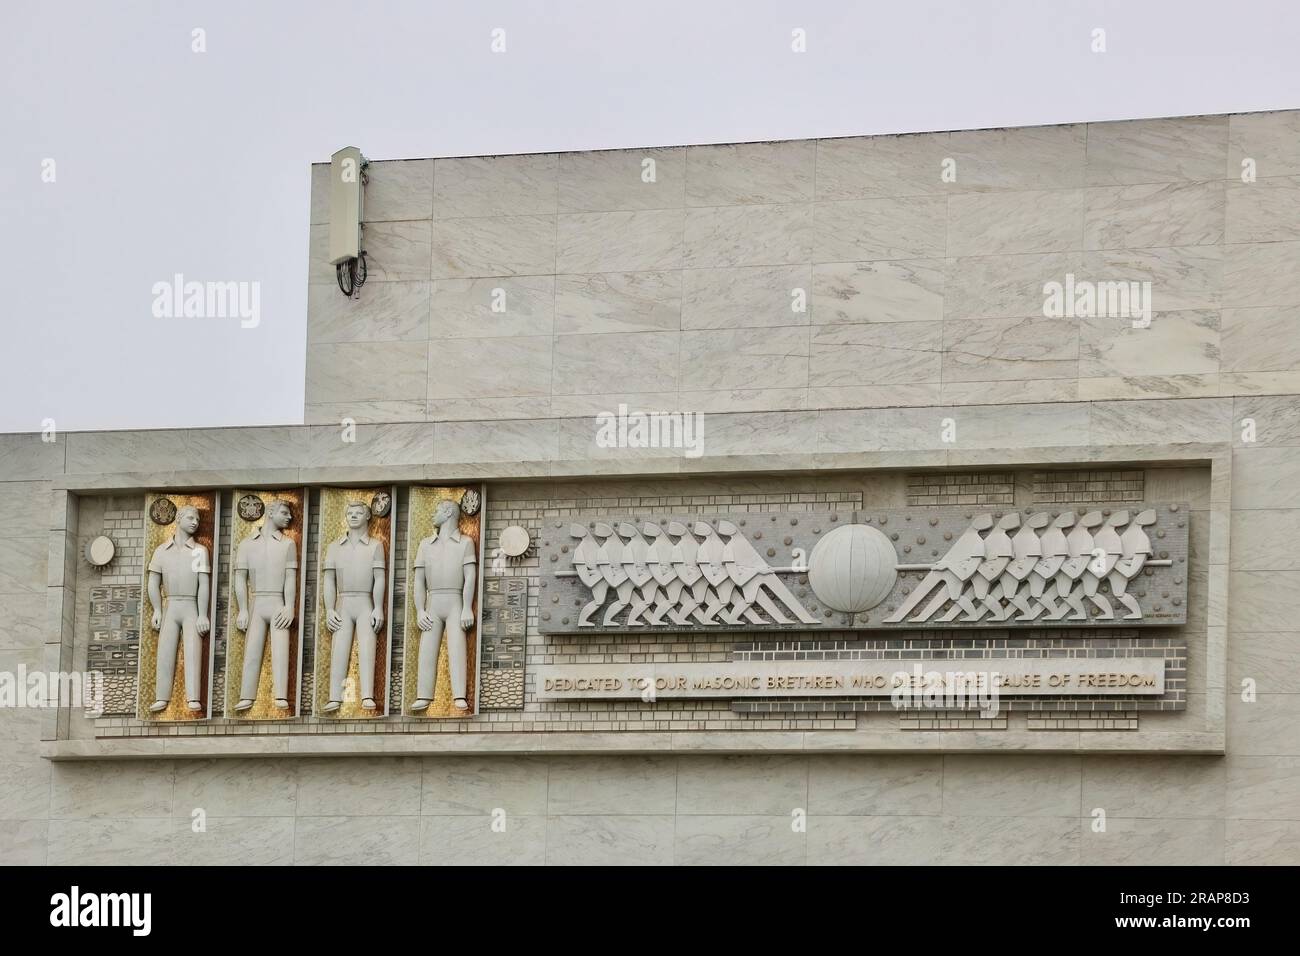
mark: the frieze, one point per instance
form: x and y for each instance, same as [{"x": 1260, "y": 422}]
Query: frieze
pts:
[{"x": 865, "y": 570}]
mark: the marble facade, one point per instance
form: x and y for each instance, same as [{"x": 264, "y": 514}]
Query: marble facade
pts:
[{"x": 923, "y": 304}]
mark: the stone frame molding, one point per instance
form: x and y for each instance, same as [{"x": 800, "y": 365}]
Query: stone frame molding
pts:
[{"x": 1208, "y": 738}]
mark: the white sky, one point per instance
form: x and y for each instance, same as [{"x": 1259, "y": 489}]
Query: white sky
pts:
[{"x": 171, "y": 161}]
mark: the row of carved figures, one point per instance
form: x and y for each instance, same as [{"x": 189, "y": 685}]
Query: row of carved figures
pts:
[
  {"x": 697, "y": 575},
  {"x": 704, "y": 574},
  {"x": 1041, "y": 568}
]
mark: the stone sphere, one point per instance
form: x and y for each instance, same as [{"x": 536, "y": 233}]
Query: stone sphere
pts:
[{"x": 852, "y": 568}]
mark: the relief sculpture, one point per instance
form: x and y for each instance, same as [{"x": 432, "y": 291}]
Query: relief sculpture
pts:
[{"x": 1014, "y": 568}]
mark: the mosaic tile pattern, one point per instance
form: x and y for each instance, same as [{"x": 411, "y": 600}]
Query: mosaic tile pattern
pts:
[{"x": 114, "y": 623}]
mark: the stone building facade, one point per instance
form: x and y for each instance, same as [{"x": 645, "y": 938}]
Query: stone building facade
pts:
[{"x": 863, "y": 326}]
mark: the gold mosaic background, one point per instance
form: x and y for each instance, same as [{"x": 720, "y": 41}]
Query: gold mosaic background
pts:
[
  {"x": 262, "y": 708},
  {"x": 424, "y": 500},
  {"x": 155, "y": 535},
  {"x": 333, "y": 503}
]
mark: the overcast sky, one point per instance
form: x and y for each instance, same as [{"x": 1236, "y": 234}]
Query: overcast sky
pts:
[{"x": 170, "y": 161}]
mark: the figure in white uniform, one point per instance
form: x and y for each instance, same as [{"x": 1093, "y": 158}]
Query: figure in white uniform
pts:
[
  {"x": 180, "y": 568},
  {"x": 446, "y": 570},
  {"x": 354, "y": 578},
  {"x": 268, "y": 560}
]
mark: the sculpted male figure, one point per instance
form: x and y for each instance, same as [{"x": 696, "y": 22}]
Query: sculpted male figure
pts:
[
  {"x": 268, "y": 560},
  {"x": 1028, "y": 549},
  {"x": 1106, "y": 550},
  {"x": 1054, "y": 548},
  {"x": 952, "y": 571},
  {"x": 743, "y": 567},
  {"x": 742, "y": 558},
  {"x": 180, "y": 567},
  {"x": 1080, "y": 544},
  {"x": 609, "y": 559},
  {"x": 354, "y": 574},
  {"x": 660, "y": 563},
  {"x": 636, "y": 556},
  {"x": 586, "y": 561},
  {"x": 695, "y": 586},
  {"x": 446, "y": 573},
  {"x": 1136, "y": 548},
  {"x": 710, "y": 556},
  {"x": 998, "y": 553}
]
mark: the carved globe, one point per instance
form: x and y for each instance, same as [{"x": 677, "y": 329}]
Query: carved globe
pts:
[{"x": 852, "y": 568}]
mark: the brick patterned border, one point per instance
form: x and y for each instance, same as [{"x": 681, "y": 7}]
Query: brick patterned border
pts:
[
  {"x": 962, "y": 488},
  {"x": 1081, "y": 487}
]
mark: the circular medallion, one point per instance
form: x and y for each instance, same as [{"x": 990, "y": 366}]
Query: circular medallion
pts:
[
  {"x": 852, "y": 568},
  {"x": 100, "y": 551},
  {"x": 470, "y": 502},
  {"x": 514, "y": 541},
  {"x": 162, "y": 511},
  {"x": 380, "y": 504},
  {"x": 251, "y": 507}
]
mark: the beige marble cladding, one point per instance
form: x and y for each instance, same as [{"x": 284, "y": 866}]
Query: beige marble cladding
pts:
[
  {"x": 1157, "y": 151},
  {"x": 615, "y": 179},
  {"x": 874, "y": 237},
  {"x": 944, "y": 228},
  {"x": 891, "y": 809},
  {"x": 750, "y": 173},
  {"x": 495, "y": 186}
]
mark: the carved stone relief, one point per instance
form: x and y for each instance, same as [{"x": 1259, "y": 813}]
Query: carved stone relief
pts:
[
  {"x": 176, "y": 649},
  {"x": 819, "y": 570}
]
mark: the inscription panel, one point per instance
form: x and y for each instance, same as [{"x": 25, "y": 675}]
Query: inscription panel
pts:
[{"x": 1036, "y": 677}]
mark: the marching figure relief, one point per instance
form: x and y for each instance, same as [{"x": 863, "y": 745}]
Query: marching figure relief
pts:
[
  {"x": 708, "y": 576},
  {"x": 1013, "y": 567},
  {"x": 354, "y": 574},
  {"x": 180, "y": 582},
  {"x": 446, "y": 578},
  {"x": 268, "y": 561}
]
